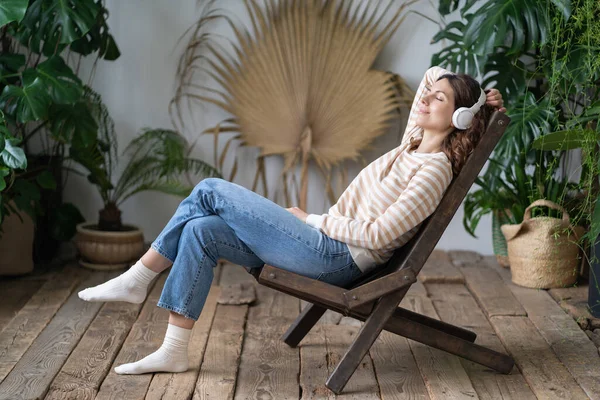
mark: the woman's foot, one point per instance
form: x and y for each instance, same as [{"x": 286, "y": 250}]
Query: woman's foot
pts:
[
  {"x": 131, "y": 286},
  {"x": 170, "y": 357}
]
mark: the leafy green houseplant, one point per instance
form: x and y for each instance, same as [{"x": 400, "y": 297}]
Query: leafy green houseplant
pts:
[
  {"x": 42, "y": 99},
  {"x": 539, "y": 54},
  {"x": 158, "y": 160}
]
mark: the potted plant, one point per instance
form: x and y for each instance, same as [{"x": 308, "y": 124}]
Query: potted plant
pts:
[
  {"x": 158, "y": 160},
  {"x": 15, "y": 248},
  {"x": 41, "y": 44},
  {"x": 542, "y": 57},
  {"x": 587, "y": 138}
]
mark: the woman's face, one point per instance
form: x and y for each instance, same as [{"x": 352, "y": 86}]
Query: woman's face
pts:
[{"x": 435, "y": 109}]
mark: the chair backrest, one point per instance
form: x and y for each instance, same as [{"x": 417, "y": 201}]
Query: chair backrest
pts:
[{"x": 414, "y": 253}]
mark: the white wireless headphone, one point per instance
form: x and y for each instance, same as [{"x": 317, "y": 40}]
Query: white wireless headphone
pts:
[{"x": 463, "y": 116}]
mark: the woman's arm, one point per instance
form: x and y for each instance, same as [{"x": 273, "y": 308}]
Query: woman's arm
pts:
[
  {"x": 418, "y": 201},
  {"x": 431, "y": 75}
]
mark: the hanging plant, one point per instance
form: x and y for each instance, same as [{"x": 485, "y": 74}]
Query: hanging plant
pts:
[{"x": 299, "y": 84}]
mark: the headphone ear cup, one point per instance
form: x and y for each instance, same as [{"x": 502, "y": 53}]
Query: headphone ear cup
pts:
[{"x": 461, "y": 119}]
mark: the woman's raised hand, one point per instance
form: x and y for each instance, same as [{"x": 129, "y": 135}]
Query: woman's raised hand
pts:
[{"x": 494, "y": 99}]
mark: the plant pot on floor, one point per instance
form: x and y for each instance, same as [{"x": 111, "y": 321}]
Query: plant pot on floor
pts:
[
  {"x": 108, "y": 250},
  {"x": 543, "y": 251},
  {"x": 16, "y": 245}
]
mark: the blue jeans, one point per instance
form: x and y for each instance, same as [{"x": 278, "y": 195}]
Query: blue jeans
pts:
[{"x": 222, "y": 220}]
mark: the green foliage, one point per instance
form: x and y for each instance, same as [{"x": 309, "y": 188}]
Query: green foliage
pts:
[
  {"x": 42, "y": 96},
  {"x": 157, "y": 159},
  {"x": 12, "y": 10},
  {"x": 544, "y": 56}
]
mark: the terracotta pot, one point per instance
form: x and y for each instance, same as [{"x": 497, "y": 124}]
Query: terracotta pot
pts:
[
  {"x": 102, "y": 250},
  {"x": 16, "y": 245}
]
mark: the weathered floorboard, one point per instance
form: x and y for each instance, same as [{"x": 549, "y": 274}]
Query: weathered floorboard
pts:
[
  {"x": 564, "y": 336},
  {"x": 218, "y": 372},
  {"x": 545, "y": 374},
  {"x": 439, "y": 268},
  {"x": 88, "y": 364},
  {"x": 397, "y": 372},
  {"x": 181, "y": 385},
  {"x": 32, "y": 375},
  {"x": 443, "y": 373},
  {"x": 145, "y": 337},
  {"x": 268, "y": 367},
  {"x": 362, "y": 384},
  {"x": 15, "y": 294},
  {"x": 455, "y": 305},
  {"x": 488, "y": 288},
  {"x": 22, "y": 330},
  {"x": 314, "y": 370}
]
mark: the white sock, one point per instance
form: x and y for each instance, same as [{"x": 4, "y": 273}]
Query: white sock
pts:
[
  {"x": 131, "y": 286},
  {"x": 172, "y": 356}
]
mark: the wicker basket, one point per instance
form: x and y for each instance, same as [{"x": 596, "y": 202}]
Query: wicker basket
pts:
[{"x": 543, "y": 251}]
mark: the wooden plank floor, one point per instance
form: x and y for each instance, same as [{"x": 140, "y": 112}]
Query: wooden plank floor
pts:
[{"x": 55, "y": 346}]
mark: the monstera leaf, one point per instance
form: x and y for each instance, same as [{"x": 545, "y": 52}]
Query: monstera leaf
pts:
[
  {"x": 12, "y": 10},
  {"x": 63, "y": 85},
  {"x": 29, "y": 102},
  {"x": 49, "y": 25},
  {"x": 521, "y": 25},
  {"x": 52, "y": 82},
  {"x": 447, "y": 6},
  {"x": 97, "y": 38},
  {"x": 11, "y": 63}
]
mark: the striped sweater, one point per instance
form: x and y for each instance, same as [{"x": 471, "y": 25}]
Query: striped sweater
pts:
[{"x": 385, "y": 204}]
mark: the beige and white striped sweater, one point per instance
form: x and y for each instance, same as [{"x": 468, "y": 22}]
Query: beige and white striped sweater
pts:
[{"x": 385, "y": 204}]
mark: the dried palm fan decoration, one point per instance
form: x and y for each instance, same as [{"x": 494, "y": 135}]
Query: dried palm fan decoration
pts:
[{"x": 300, "y": 84}]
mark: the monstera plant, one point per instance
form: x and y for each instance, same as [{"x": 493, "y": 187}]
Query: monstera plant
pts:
[
  {"x": 299, "y": 84},
  {"x": 542, "y": 55},
  {"x": 42, "y": 99}
]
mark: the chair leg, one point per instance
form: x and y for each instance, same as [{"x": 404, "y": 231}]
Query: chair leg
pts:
[
  {"x": 438, "y": 325},
  {"x": 309, "y": 316},
  {"x": 447, "y": 341},
  {"x": 363, "y": 341}
]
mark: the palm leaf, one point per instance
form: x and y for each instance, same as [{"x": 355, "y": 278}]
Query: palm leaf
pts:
[
  {"x": 158, "y": 159},
  {"x": 174, "y": 188},
  {"x": 300, "y": 80}
]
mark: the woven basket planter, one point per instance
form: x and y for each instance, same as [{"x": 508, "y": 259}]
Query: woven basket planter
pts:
[
  {"x": 543, "y": 251},
  {"x": 101, "y": 250}
]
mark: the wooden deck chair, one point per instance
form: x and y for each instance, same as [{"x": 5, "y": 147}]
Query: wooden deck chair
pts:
[{"x": 374, "y": 297}]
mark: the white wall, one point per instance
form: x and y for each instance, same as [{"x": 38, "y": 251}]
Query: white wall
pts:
[{"x": 137, "y": 89}]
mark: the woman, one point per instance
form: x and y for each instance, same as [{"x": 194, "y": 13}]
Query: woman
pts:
[{"x": 379, "y": 212}]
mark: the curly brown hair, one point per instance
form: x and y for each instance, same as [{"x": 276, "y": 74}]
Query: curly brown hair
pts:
[{"x": 459, "y": 144}]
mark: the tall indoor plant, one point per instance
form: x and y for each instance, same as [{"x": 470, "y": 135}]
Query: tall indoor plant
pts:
[
  {"x": 41, "y": 95},
  {"x": 157, "y": 160},
  {"x": 518, "y": 57}
]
